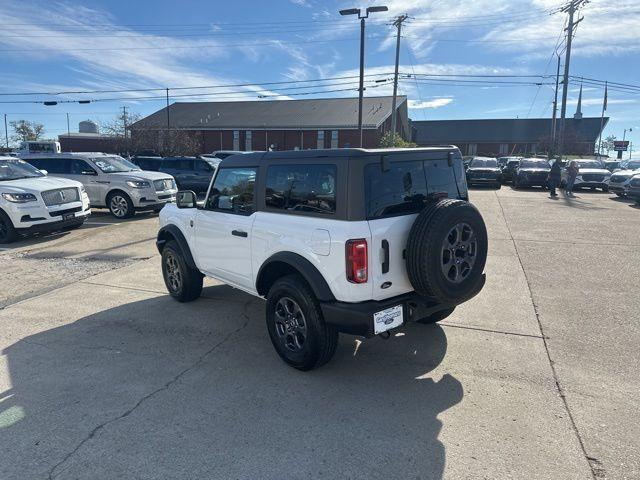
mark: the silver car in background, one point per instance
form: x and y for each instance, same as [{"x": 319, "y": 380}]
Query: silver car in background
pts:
[
  {"x": 621, "y": 178},
  {"x": 592, "y": 174}
]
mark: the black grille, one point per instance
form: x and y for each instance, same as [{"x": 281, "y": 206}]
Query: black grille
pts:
[
  {"x": 592, "y": 177},
  {"x": 57, "y": 213}
]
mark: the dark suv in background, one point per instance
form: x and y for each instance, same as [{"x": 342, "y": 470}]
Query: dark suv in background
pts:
[
  {"x": 531, "y": 172},
  {"x": 190, "y": 173}
]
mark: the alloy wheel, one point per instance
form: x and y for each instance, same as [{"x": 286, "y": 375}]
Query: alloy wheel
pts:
[
  {"x": 119, "y": 206},
  {"x": 173, "y": 271},
  {"x": 459, "y": 252},
  {"x": 291, "y": 326}
]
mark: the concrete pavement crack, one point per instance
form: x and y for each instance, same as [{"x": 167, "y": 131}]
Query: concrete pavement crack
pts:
[
  {"x": 52, "y": 471},
  {"x": 595, "y": 473}
]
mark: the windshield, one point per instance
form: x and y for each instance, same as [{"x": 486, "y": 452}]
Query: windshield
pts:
[
  {"x": 534, "y": 164},
  {"x": 15, "y": 169},
  {"x": 589, "y": 164},
  {"x": 631, "y": 165},
  {"x": 484, "y": 163},
  {"x": 114, "y": 164}
]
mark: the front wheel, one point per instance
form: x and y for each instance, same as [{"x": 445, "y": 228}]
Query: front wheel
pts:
[
  {"x": 120, "y": 205},
  {"x": 8, "y": 233},
  {"x": 183, "y": 283},
  {"x": 296, "y": 326}
]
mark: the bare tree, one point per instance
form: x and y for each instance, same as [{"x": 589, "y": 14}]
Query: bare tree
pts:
[
  {"x": 116, "y": 126},
  {"x": 172, "y": 143},
  {"x": 24, "y": 130}
]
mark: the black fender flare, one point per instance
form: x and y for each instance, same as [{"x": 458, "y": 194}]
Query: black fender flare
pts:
[
  {"x": 302, "y": 266},
  {"x": 172, "y": 232}
]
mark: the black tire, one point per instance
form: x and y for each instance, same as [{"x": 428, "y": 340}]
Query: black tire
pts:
[
  {"x": 620, "y": 194},
  {"x": 605, "y": 189},
  {"x": 8, "y": 233},
  {"x": 516, "y": 185},
  {"x": 447, "y": 251},
  {"x": 183, "y": 283},
  {"x": 436, "y": 317},
  {"x": 296, "y": 326},
  {"x": 120, "y": 205}
]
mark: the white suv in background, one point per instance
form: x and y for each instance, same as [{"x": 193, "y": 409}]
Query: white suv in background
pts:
[
  {"x": 31, "y": 202},
  {"x": 338, "y": 241},
  {"x": 110, "y": 180},
  {"x": 621, "y": 178}
]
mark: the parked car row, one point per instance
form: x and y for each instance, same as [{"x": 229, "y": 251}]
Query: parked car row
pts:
[{"x": 190, "y": 173}]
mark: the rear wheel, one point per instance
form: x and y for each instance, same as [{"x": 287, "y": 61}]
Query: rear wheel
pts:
[
  {"x": 120, "y": 205},
  {"x": 620, "y": 194},
  {"x": 8, "y": 233},
  {"x": 183, "y": 283},
  {"x": 296, "y": 326}
]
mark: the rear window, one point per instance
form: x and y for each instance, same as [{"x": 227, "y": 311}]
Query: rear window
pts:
[
  {"x": 484, "y": 163},
  {"x": 301, "y": 188},
  {"x": 400, "y": 190}
]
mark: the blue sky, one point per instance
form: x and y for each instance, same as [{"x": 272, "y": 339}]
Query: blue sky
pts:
[{"x": 50, "y": 46}]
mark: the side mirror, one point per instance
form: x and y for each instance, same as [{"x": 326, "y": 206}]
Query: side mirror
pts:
[
  {"x": 186, "y": 199},
  {"x": 44, "y": 172},
  {"x": 89, "y": 172}
]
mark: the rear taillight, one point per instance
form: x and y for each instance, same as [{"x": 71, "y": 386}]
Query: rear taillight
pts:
[{"x": 356, "y": 250}]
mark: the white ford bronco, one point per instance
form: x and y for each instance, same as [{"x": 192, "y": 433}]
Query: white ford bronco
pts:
[{"x": 349, "y": 241}]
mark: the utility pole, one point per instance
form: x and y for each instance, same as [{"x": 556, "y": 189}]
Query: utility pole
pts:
[
  {"x": 166, "y": 144},
  {"x": 555, "y": 111},
  {"x": 6, "y": 131},
  {"x": 571, "y": 9},
  {"x": 398, "y": 24},
  {"x": 68, "y": 129},
  {"x": 358, "y": 12},
  {"x": 124, "y": 122}
]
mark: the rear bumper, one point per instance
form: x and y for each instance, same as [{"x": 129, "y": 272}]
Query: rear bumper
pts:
[{"x": 357, "y": 318}]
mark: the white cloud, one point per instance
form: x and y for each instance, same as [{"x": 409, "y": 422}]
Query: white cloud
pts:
[{"x": 435, "y": 103}]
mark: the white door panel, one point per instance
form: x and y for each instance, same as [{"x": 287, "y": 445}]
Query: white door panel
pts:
[{"x": 223, "y": 246}]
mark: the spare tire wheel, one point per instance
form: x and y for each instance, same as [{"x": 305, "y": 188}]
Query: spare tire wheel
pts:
[{"x": 447, "y": 251}]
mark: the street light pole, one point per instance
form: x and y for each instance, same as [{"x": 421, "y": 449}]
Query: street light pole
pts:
[{"x": 357, "y": 11}]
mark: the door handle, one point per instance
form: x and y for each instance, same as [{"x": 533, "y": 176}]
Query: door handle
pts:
[
  {"x": 239, "y": 233},
  {"x": 385, "y": 262}
]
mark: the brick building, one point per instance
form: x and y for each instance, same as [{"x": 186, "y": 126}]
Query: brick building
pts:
[
  {"x": 513, "y": 136},
  {"x": 277, "y": 124},
  {"x": 90, "y": 142}
]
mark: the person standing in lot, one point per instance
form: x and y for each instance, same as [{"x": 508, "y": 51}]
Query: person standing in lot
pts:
[
  {"x": 572, "y": 173},
  {"x": 554, "y": 178}
]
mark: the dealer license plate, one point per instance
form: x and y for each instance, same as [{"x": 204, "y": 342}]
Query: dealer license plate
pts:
[{"x": 387, "y": 319}]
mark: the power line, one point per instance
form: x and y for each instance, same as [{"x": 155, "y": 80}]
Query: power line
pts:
[{"x": 155, "y": 89}]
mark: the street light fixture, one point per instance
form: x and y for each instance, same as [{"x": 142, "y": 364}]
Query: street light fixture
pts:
[{"x": 357, "y": 11}]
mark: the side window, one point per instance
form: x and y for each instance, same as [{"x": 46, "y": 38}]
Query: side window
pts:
[
  {"x": 233, "y": 191},
  {"x": 202, "y": 166},
  {"x": 184, "y": 164},
  {"x": 301, "y": 188},
  {"x": 36, "y": 162},
  {"x": 78, "y": 166},
  {"x": 55, "y": 165}
]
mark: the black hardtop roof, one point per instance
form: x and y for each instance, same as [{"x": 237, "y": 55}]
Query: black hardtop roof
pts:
[{"x": 258, "y": 157}]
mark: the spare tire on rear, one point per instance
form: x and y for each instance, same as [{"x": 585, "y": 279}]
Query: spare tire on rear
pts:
[{"x": 447, "y": 251}]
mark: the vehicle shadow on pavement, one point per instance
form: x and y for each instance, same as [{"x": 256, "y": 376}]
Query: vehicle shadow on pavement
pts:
[{"x": 159, "y": 389}]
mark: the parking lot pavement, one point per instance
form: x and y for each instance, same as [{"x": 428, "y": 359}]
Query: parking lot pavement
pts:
[{"x": 108, "y": 377}]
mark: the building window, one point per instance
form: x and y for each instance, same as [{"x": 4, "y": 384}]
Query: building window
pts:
[
  {"x": 334, "y": 139},
  {"x": 472, "y": 149},
  {"x": 504, "y": 148},
  {"x": 247, "y": 140},
  {"x": 320, "y": 139},
  {"x": 236, "y": 140}
]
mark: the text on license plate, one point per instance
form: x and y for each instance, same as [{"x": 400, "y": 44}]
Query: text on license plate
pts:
[{"x": 387, "y": 319}]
